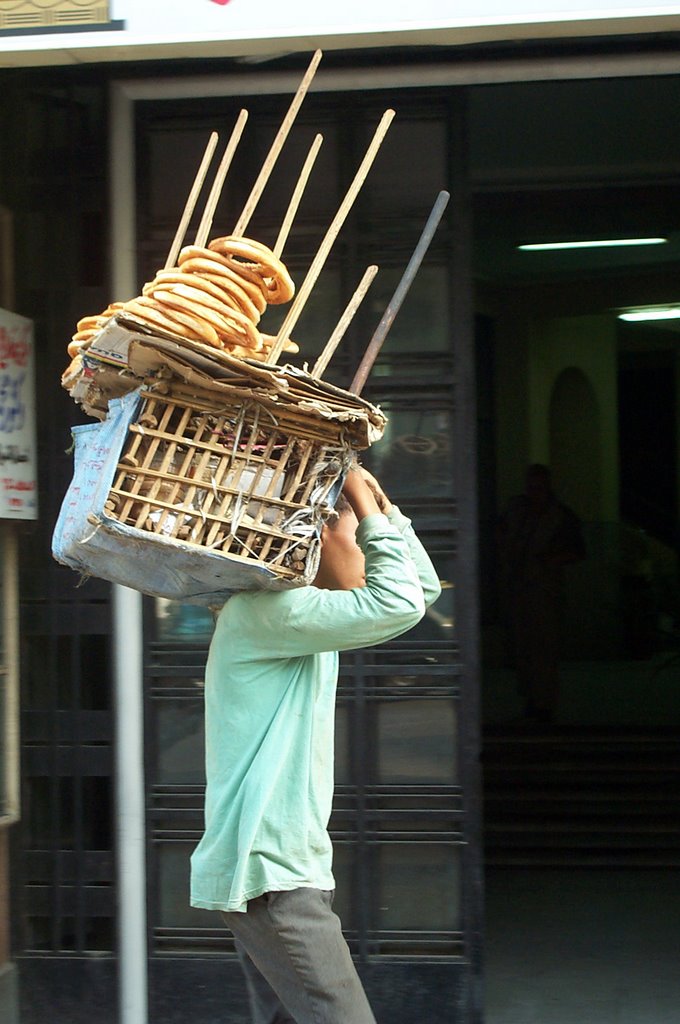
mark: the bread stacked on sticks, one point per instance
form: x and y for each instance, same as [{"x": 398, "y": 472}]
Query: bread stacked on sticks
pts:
[{"x": 215, "y": 295}]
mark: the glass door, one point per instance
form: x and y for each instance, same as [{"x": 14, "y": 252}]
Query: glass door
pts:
[{"x": 405, "y": 820}]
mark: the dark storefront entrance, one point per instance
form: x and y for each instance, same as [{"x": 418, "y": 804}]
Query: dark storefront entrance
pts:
[
  {"x": 519, "y": 160},
  {"x": 405, "y": 826}
]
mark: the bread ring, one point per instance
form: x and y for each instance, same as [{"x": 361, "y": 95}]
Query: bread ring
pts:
[
  {"x": 186, "y": 289},
  {"x": 211, "y": 263},
  {"x": 192, "y": 252},
  {"x": 249, "y": 250},
  {"x": 227, "y": 292},
  {"x": 87, "y": 323},
  {"x": 72, "y": 372},
  {"x": 288, "y": 345},
  {"x": 174, "y": 321},
  {"x": 149, "y": 314},
  {"x": 243, "y": 271},
  {"x": 254, "y": 292},
  {"x": 191, "y": 319},
  {"x": 226, "y": 323},
  {"x": 257, "y": 257},
  {"x": 77, "y": 343},
  {"x": 241, "y": 352}
]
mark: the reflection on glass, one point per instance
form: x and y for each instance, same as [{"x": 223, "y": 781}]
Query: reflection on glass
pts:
[
  {"x": 173, "y": 157},
  {"x": 416, "y": 741},
  {"x": 317, "y": 321},
  {"x": 410, "y": 167},
  {"x": 173, "y": 889},
  {"x": 413, "y": 457},
  {"x": 177, "y": 621},
  {"x": 418, "y": 887},
  {"x": 321, "y": 190},
  {"x": 180, "y": 743},
  {"x": 423, "y": 322}
]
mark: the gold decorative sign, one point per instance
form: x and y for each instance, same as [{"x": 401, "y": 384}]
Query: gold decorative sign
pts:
[{"x": 32, "y": 14}]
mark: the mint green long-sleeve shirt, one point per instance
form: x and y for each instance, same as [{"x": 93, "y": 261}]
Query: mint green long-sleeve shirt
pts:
[{"x": 270, "y": 685}]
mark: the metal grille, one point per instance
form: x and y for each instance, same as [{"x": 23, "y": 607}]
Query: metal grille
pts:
[
  {"x": 405, "y": 825},
  {"x": 62, "y": 866}
]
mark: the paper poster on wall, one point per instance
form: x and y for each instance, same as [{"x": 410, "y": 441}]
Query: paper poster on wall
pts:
[{"x": 18, "y": 465}]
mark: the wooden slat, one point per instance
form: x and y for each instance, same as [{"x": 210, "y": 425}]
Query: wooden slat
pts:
[
  {"x": 276, "y": 147},
  {"x": 323, "y": 252}
]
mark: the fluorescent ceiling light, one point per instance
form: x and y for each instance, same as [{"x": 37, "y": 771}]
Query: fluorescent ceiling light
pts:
[
  {"x": 601, "y": 243},
  {"x": 651, "y": 313}
]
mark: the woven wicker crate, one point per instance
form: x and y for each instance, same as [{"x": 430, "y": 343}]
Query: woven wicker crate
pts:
[{"x": 247, "y": 481}]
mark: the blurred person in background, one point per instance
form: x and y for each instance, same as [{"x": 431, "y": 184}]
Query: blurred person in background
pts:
[{"x": 538, "y": 535}]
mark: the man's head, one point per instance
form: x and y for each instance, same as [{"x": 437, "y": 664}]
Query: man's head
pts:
[{"x": 342, "y": 565}]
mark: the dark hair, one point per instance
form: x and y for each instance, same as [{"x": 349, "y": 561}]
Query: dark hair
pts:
[{"x": 342, "y": 507}]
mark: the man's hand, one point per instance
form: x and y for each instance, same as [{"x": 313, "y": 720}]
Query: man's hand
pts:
[
  {"x": 384, "y": 503},
  {"x": 359, "y": 494}
]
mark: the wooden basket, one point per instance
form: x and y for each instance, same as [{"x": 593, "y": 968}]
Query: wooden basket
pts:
[{"x": 242, "y": 479}]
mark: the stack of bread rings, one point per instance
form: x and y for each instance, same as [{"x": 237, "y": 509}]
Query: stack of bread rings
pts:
[
  {"x": 89, "y": 326},
  {"x": 86, "y": 329},
  {"x": 215, "y": 296}
]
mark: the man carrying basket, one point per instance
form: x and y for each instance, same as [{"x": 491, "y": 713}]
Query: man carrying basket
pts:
[{"x": 265, "y": 858}]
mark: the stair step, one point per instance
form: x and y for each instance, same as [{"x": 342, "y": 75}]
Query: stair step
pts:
[
  {"x": 553, "y": 830},
  {"x": 561, "y": 808},
  {"x": 556, "y": 798},
  {"x": 582, "y": 858}
]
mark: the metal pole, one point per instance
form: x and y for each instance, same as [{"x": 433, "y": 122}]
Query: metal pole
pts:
[
  {"x": 128, "y": 659},
  {"x": 130, "y": 812},
  {"x": 394, "y": 305}
]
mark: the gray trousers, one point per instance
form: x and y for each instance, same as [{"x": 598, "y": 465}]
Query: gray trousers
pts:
[{"x": 297, "y": 965}]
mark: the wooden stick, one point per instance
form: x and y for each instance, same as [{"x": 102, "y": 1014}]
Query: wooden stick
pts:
[
  {"x": 297, "y": 195},
  {"x": 216, "y": 190},
  {"x": 393, "y": 306},
  {"x": 344, "y": 322},
  {"x": 276, "y": 147},
  {"x": 191, "y": 201},
  {"x": 300, "y": 299}
]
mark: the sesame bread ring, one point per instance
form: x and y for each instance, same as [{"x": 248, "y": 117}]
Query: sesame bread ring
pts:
[
  {"x": 72, "y": 372},
  {"x": 227, "y": 292},
  {"x": 88, "y": 323},
  {"x": 185, "y": 288},
  {"x": 244, "y": 271},
  {"x": 192, "y": 252},
  {"x": 241, "y": 352},
  {"x": 288, "y": 346},
  {"x": 199, "y": 328},
  {"x": 202, "y": 261},
  {"x": 228, "y": 323},
  {"x": 79, "y": 341},
  {"x": 144, "y": 310},
  {"x": 174, "y": 321},
  {"x": 112, "y": 308},
  {"x": 256, "y": 256},
  {"x": 219, "y": 280}
]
